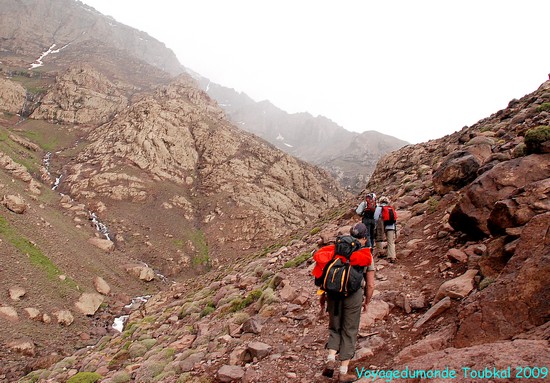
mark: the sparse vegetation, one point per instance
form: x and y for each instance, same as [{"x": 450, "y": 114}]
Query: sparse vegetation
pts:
[
  {"x": 298, "y": 260},
  {"x": 208, "y": 309},
  {"x": 432, "y": 205},
  {"x": 486, "y": 282},
  {"x": 534, "y": 138},
  {"x": 85, "y": 377},
  {"x": 34, "y": 254},
  {"x": 545, "y": 107},
  {"x": 238, "y": 304},
  {"x": 315, "y": 230}
]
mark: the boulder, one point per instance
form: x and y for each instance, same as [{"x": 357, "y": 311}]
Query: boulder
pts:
[
  {"x": 472, "y": 211},
  {"x": 377, "y": 310},
  {"x": 103, "y": 244},
  {"x": 143, "y": 272},
  {"x": 458, "y": 287},
  {"x": 456, "y": 171},
  {"x": 476, "y": 363},
  {"x": 14, "y": 203},
  {"x": 434, "y": 311},
  {"x": 16, "y": 293},
  {"x": 64, "y": 317},
  {"x": 25, "y": 347},
  {"x": 12, "y": 95},
  {"x": 228, "y": 373},
  {"x": 518, "y": 300},
  {"x": 88, "y": 303},
  {"x": 9, "y": 313},
  {"x": 101, "y": 286}
]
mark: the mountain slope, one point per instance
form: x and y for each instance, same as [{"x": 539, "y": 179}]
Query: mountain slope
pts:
[
  {"x": 116, "y": 173},
  {"x": 349, "y": 157},
  {"x": 452, "y": 301}
]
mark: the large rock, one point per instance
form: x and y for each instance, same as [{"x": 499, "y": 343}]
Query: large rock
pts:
[
  {"x": 9, "y": 313},
  {"x": 471, "y": 213},
  {"x": 143, "y": 272},
  {"x": 64, "y": 317},
  {"x": 458, "y": 287},
  {"x": 88, "y": 303},
  {"x": 101, "y": 286},
  {"x": 103, "y": 244},
  {"x": 16, "y": 293},
  {"x": 12, "y": 96},
  {"x": 518, "y": 300},
  {"x": 14, "y": 203},
  {"x": 432, "y": 342},
  {"x": 481, "y": 363},
  {"x": 520, "y": 207},
  {"x": 24, "y": 346},
  {"x": 377, "y": 310},
  {"x": 457, "y": 171},
  {"x": 229, "y": 373}
]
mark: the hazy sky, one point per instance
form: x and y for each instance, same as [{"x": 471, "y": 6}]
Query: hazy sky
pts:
[{"x": 417, "y": 70}]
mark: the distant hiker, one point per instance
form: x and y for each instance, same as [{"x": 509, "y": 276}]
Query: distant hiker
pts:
[
  {"x": 386, "y": 216},
  {"x": 366, "y": 210},
  {"x": 350, "y": 259}
]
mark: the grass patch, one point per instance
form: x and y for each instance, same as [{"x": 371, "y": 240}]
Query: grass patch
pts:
[
  {"x": 35, "y": 255},
  {"x": 545, "y": 107},
  {"x": 208, "y": 309},
  {"x": 238, "y": 304},
  {"x": 298, "y": 260},
  {"x": 536, "y": 137},
  {"x": 432, "y": 205},
  {"x": 198, "y": 239},
  {"x": 85, "y": 377},
  {"x": 315, "y": 230}
]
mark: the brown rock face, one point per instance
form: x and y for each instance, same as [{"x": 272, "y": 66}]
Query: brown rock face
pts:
[
  {"x": 473, "y": 210},
  {"x": 82, "y": 96},
  {"x": 12, "y": 96},
  {"x": 457, "y": 170},
  {"x": 178, "y": 137},
  {"x": 518, "y": 300}
]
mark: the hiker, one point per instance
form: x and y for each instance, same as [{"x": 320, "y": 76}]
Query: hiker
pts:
[
  {"x": 345, "y": 311},
  {"x": 386, "y": 217},
  {"x": 366, "y": 210}
]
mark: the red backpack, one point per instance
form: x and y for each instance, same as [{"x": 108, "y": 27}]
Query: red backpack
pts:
[
  {"x": 370, "y": 206},
  {"x": 389, "y": 215}
]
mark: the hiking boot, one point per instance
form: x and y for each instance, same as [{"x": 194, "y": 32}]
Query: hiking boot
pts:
[
  {"x": 392, "y": 260},
  {"x": 328, "y": 371},
  {"x": 346, "y": 378}
]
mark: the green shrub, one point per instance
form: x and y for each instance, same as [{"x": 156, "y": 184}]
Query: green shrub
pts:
[
  {"x": 85, "y": 377},
  {"x": 209, "y": 308},
  {"x": 519, "y": 151},
  {"x": 544, "y": 107},
  {"x": 432, "y": 205},
  {"x": 298, "y": 260},
  {"x": 485, "y": 283},
  {"x": 121, "y": 377},
  {"x": 315, "y": 230},
  {"x": 240, "y": 317},
  {"x": 534, "y": 138},
  {"x": 238, "y": 303}
]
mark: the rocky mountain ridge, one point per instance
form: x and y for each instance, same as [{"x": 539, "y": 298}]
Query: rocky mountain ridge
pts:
[
  {"x": 350, "y": 157},
  {"x": 455, "y": 301}
]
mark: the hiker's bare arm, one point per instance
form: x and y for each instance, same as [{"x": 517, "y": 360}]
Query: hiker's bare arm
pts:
[{"x": 369, "y": 288}]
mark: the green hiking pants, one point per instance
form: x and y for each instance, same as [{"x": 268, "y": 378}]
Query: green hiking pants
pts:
[{"x": 343, "y": 325}]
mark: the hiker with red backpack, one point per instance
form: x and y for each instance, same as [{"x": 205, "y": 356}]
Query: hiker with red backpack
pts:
[
  {"x": 366, "y": 210},
  {"x": 344, "y": 273},
  {"x": 386, "y": 216}
]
